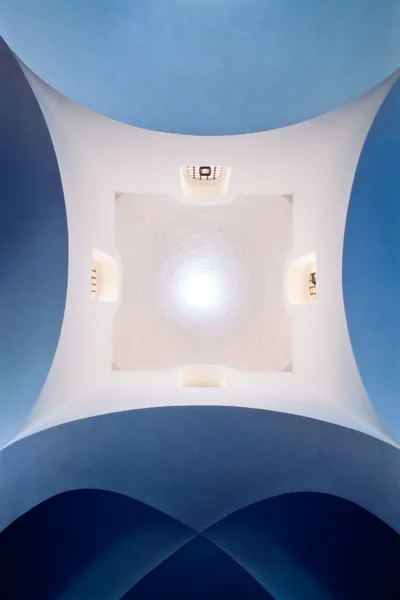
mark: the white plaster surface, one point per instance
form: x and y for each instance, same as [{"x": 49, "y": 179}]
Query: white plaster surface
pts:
[
  {"x": 203, "y": 284},
  {"x": 314, "y": 161}
]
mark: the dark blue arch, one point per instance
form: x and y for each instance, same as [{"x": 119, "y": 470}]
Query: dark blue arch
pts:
[
  {"x": 199, "y": 464},
  {"x": 197, "y": 571},
  {"x": 85, "y": 544},
  {"x": 207, "y": 68},
  {"x": 371, "y": 265},
  {"x": 33, "y": 247},
  {"x": 314, "y": 546},
  {"x": 96, "y": 544}
]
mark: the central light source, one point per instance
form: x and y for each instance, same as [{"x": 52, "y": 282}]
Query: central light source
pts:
[
  {"x": 201, "y": 290},
  {"x": 197, "y": 284}
]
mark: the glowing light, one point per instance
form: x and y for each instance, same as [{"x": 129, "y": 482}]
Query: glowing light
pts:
[{"x": 201, "y": 290}]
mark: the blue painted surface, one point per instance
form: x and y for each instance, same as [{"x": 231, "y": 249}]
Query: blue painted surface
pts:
[
  {"x": 371, "y": 265},
  {"x": 33, "y": 248},
  {"x": 313, "y": 546},
  {"x": 207, "y": 67},
  {"x": 96, "y": 544},
  {"x": 200, "y": 464},
  {"x": 199, "y": 570},
  {"x": 86, "y": 544}
]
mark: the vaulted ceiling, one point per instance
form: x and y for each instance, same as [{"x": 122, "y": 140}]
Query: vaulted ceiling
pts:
[{"x": 193, "y": 428}]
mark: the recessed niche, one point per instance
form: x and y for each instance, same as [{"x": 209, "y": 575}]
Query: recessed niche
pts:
[
  {"x": 205, "y": 183},
  {"x": 105, "y": 278},
  {"x": 202, "y": 376},
  {"x": 301, "y": 280}
]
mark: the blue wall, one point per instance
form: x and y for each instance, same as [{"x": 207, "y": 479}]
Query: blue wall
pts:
[
  {"x": 86, "y": 544},
  {"x": 199, "y": 464},
  {"x": 313, "y": 546},
  {"x": 33, "y": 247},
  {"x": 371, "y": 263},
  {"x": 95, "y": 544},
  {"x": 207, "y": 68}
]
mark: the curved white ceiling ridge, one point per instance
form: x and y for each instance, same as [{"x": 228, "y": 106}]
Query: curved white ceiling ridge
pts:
[{"x": 315, "y": 161}]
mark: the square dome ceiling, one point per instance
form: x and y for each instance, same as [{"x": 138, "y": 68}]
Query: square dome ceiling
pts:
[{"x": 202, "y": 284}]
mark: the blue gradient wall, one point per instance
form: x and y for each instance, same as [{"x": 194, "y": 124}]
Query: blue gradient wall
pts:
[
  {"x": 207, "y": 68},
  {"x": 371, "y": 263},
  {"x": 33, "y": 247},
  {"x": 96, "y": 544},
  {"x": 199, "y": 464}
]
